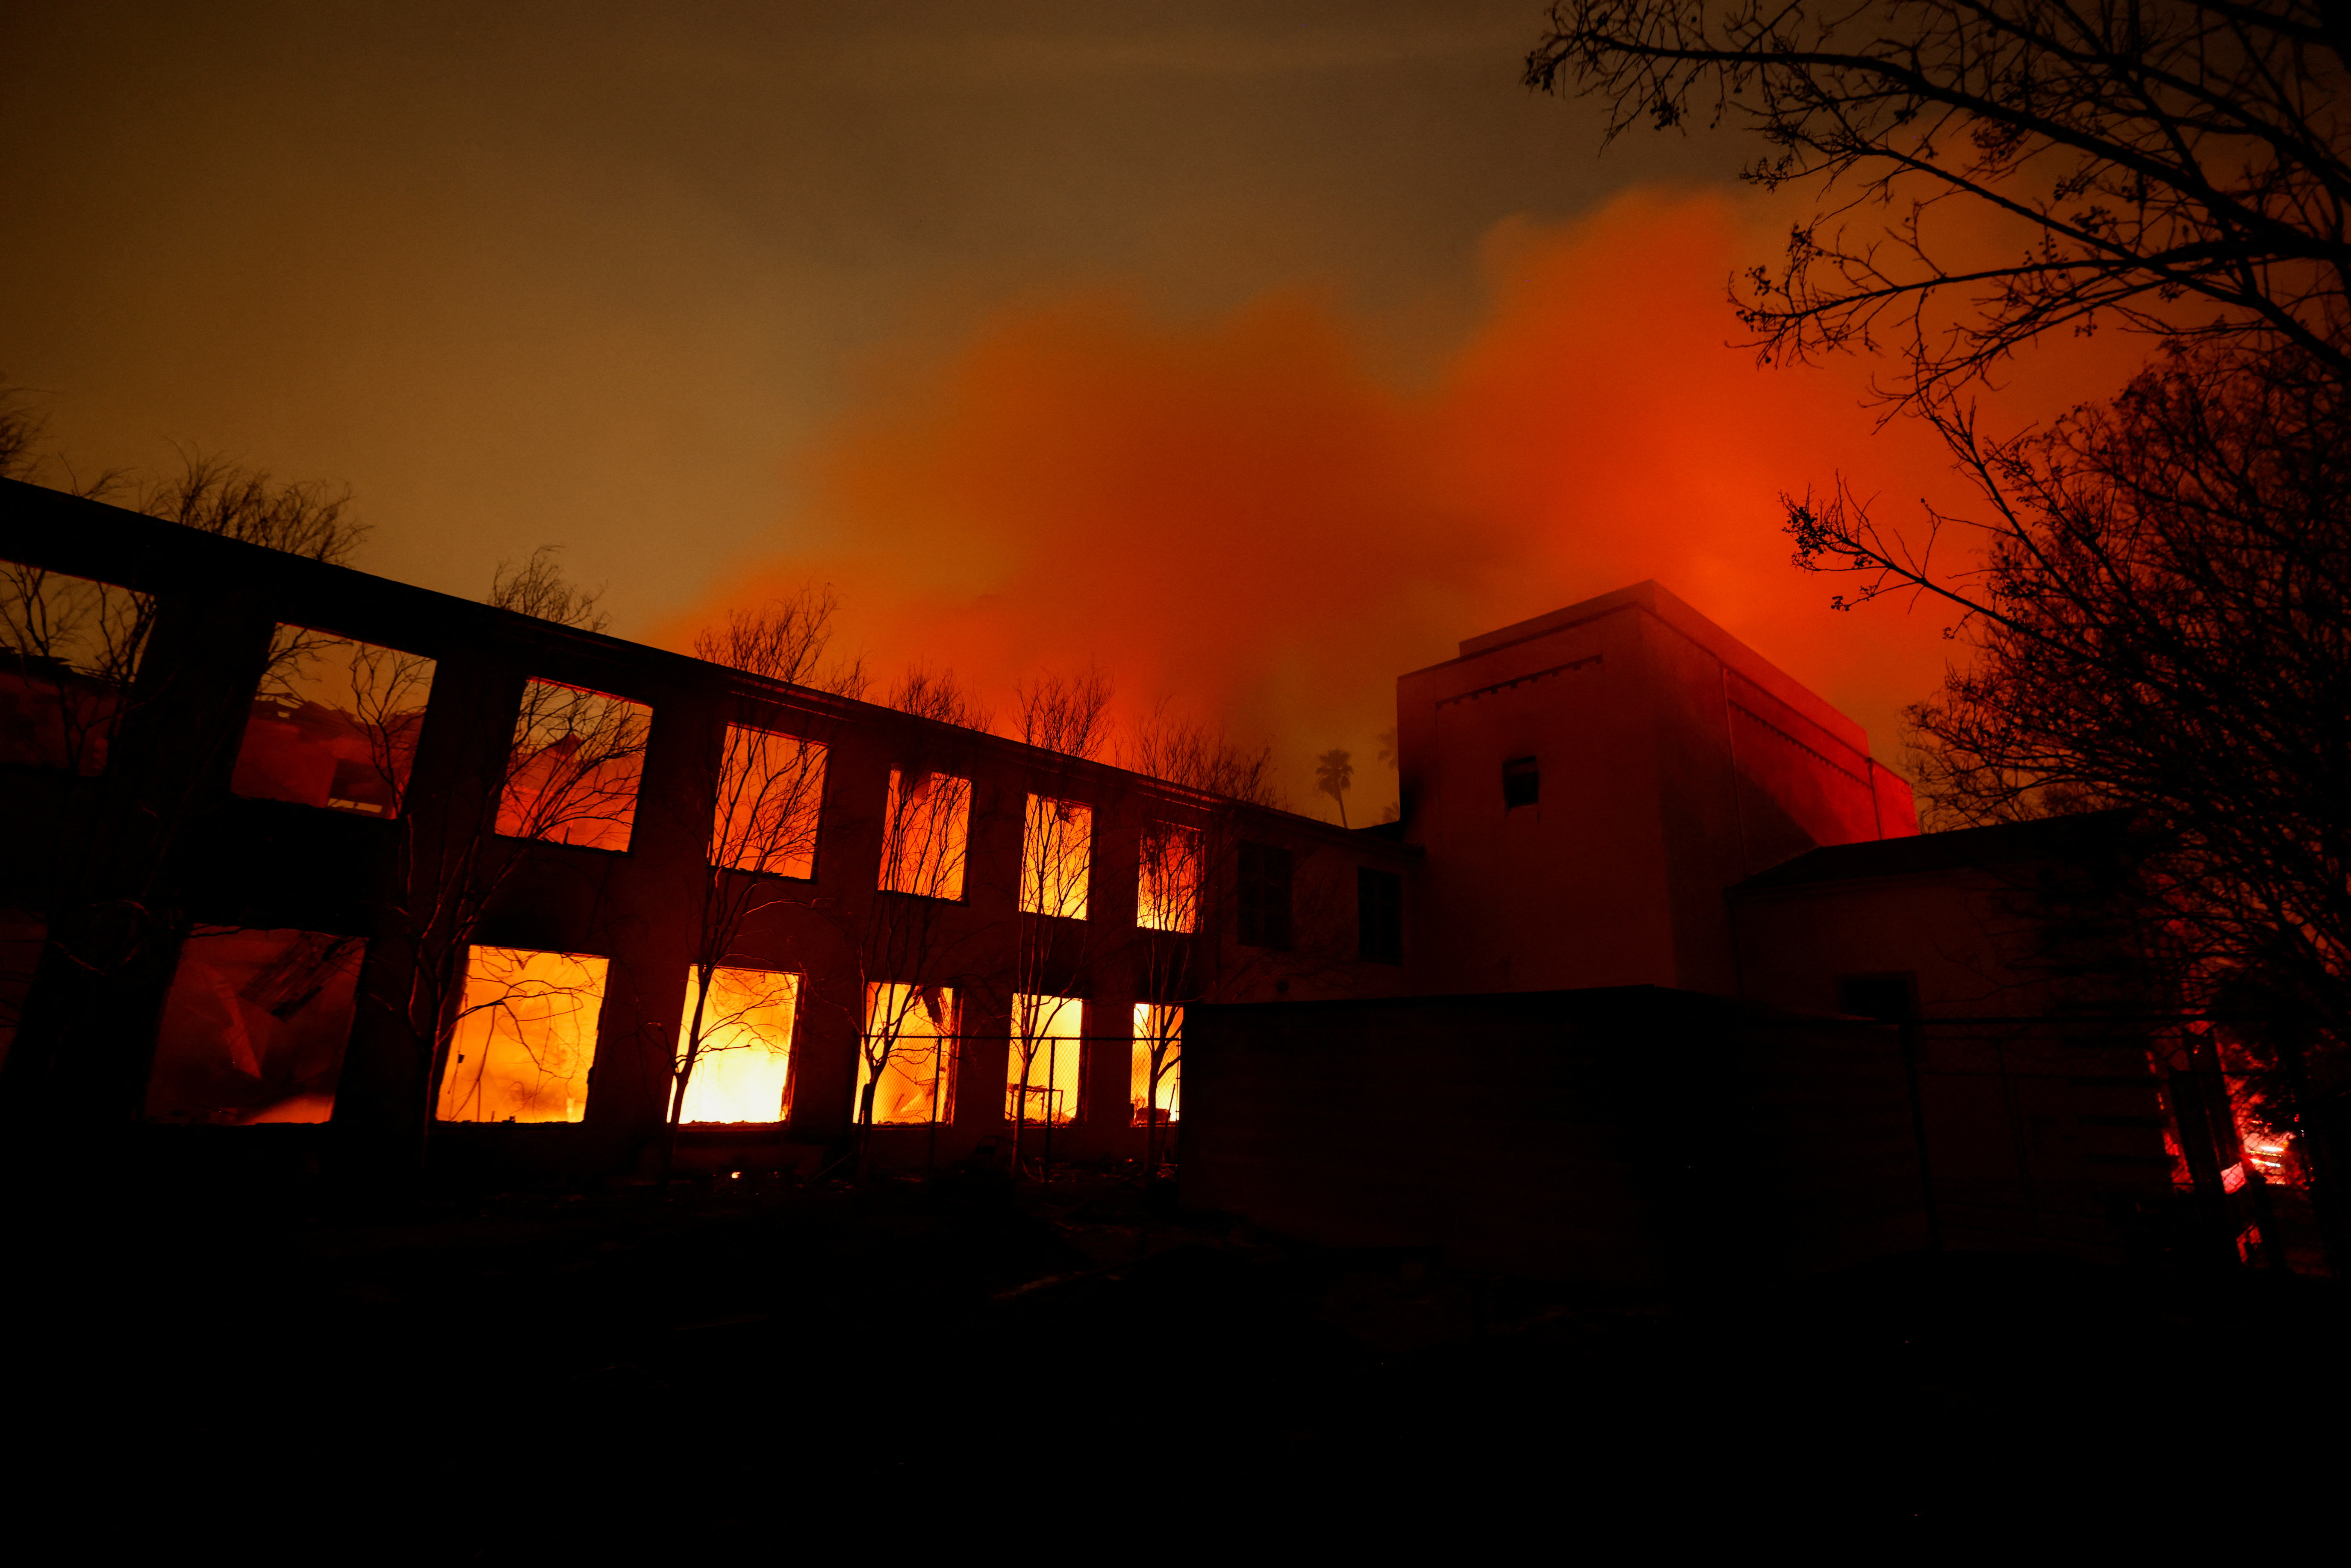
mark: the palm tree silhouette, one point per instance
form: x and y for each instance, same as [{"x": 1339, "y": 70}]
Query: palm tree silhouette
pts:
[{"x": 1333, "y": 771}]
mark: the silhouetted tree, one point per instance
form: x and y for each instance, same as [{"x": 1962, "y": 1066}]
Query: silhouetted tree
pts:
[
  {"x": 2172, "y": 167},
  {"x": 75, "y": 652},
  {"x": 769, "y": 786},
  {"x": 903, "y": 958},
  {"x": 1065, "y": 722},
  {"x": 2156, "y": 610},
  {"x": 566, "y": 771},
  {"x": 1189, "y": 854},
  {"x": 1335, "y": 773}
]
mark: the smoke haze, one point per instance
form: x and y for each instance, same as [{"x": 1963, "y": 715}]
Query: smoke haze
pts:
[{"x": 1236, "y": 514}]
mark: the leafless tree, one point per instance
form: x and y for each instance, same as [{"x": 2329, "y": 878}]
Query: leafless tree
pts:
[
  {"x": 2161, "y": 621},
  {"x": 73, "y": 664},
  {"x": 1189, "y": 849},
  {"x": 767, "y": 784},
  {"x": 566, "y": 772},
  {"x": 215, "y": 495},
  {"x": 539, "y": 589},
  {"x": 1065, "y": 722},
  {"x": 2175, "y": 167},
  {"x": 2152, "y": 598},
  {"x": 911, "y": 1005},
  {"x": 23, "y": 423}
]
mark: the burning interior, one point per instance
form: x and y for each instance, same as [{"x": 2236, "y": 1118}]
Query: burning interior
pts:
[
  {"x": 770, "y": 794},
  {"x": 1168, "y": 892},
  {"x": 1154, "y": 1091},
  {"x": 1056, "y": 857},
  {"x": 926, "y": 835},
  {"x": 907, "y": 1071},
  {"x": 743, "y": 1060},
  {"x": 524, "y": 1039},
  {"x": 1043, "y": 1072}
]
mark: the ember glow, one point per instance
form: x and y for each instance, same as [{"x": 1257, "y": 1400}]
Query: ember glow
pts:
[
  {"x": 917, "y": 1026},
  {"x": 1154, "y": 1091},
  {"x": 1168, "y": 896},
  {"x": 1056, "y": 857},
  {"x": 743, "y": 1070},
  {"x": 926, "y": 834},
  {"x": 769, "y": 796},
  {"x": 1041, "y": 1071},
  {"x": 525, "y": 1037}
]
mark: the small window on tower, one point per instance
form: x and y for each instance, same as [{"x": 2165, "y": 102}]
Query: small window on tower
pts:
[{"x": 1522, "y": 782}]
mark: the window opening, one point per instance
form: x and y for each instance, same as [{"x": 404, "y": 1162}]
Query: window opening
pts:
[
  {"x": 1155, "y": 1092},
  {"x": 254, "y": 1027},
  {"x": 1265, "y": 896},
  {"x": 334, "y": 724},
  {"x": 770, "y": 792},
  {"x": 1892, "y": 997},
  {"x": 1522, "y": 782},
  {"x": 927, "y": 833},
  {"x": 912, "y": 1032},
  {"x": 572, "y": 774},
  {"x": 743, "y": 1067},
  {"x": 1043, "y": 1072},
  {"x": 1168, "y": 898},
  {"x": 525, "y": 1037},
  {"x": 1379, "y": 915},
  {"x": 69, "y": 648},
  {"x": 1056, "y": 854}
]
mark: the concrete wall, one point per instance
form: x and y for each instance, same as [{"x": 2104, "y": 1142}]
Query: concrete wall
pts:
[
  {"x": 196, "y": 850},
  {"x": 1675, "y": 762},
  {"x": 1637, "y": 1137},
  {"x": 2046, "y": 1117}
]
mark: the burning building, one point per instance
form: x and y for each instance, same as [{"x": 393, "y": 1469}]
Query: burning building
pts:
[{"x": 303, "y": 855}]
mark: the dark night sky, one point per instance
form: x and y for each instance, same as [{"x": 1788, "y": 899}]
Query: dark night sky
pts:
[{"x": 648, "y": 280}]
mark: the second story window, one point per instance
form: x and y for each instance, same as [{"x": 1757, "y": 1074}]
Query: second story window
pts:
[
  {"x": 1168, "y": 894},
  {"x": 1265, "y": 896},
  {"x": 1522, "y": 782},
  {"x": 925, "y": 835},
  {"x": 1379, "y": 915},
  {"x": 572, "y": 775},
  {"x": 770, "y": 790},
  {"x": 1056, "y": 854},
  {"x": 68, "y": 650},
  {"x": 334, "y": 724}
]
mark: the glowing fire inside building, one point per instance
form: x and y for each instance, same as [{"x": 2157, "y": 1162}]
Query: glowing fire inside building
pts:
[{"x": 543, "y": 893}]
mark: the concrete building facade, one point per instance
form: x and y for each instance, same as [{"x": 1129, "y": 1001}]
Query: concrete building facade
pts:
[{"x": 1627, "y": 844}]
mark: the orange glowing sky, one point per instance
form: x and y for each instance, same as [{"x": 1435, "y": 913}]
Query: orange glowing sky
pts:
[{"x": 1259, "y": 352}]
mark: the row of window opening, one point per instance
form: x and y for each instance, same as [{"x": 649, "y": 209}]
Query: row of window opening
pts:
[{"x": 256, "y": 1024}]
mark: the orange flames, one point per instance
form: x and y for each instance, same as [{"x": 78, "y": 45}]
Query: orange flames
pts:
[{"x": 1238, "y": 512}]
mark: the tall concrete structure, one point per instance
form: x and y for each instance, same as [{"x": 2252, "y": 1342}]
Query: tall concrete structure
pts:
[{"x": 1589, "y": 784}]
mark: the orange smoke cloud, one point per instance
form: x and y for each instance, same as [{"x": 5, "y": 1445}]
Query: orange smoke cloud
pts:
[{"x": 1241, "y": 516}]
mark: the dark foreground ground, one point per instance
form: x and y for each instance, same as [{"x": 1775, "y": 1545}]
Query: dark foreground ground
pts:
[{"x": 792, "y": 1370}]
